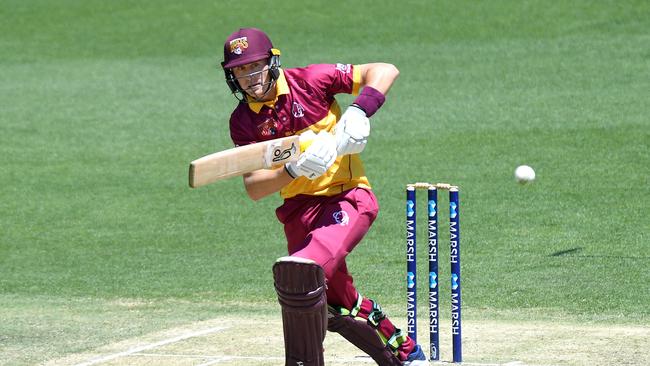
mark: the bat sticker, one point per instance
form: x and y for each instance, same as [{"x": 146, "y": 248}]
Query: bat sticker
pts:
[{"x": 280, "y": 155}]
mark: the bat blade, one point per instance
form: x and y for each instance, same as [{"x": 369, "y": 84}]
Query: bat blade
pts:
[{"x": 243, "y": 159}]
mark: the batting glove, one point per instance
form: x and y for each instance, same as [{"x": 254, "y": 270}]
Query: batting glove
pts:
[
  {"x": 316, "y": 159},
  {"x": 352, "y": 131}
]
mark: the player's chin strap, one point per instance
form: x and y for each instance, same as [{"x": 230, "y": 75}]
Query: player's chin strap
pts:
[
  {"x": 363, "y": 332},
  {"x": 274, "y": 73}
]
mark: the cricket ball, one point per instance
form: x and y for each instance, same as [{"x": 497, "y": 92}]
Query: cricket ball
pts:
[{"x": 524, "y": 174}]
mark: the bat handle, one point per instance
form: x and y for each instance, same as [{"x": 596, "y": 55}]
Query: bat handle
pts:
[{"x": 305, "y": 144}]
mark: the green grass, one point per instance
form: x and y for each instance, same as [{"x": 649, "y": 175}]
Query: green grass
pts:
[{"x": 103, "y": 104}]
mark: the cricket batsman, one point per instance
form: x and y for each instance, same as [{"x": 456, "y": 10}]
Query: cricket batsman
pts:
[{"x": 328, "y": 202}]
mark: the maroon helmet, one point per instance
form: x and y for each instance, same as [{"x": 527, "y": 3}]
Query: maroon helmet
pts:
[{"x": 243, "y": 47}]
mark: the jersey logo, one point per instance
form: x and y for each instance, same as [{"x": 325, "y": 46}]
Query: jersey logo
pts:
[
  {"x": 238, "y": 45},
  {"x": 268, "y": 128},
  {"x": 298, "y": 110},
  {"x": 341, "y": 218},
  {"x": 344, "y": 68}
]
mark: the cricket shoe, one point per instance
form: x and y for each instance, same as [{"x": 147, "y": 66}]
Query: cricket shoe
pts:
[{"x": 416, "y": 357}]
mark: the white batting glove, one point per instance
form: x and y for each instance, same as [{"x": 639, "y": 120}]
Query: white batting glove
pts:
[
  {"x": 352, "y": 131},
  {"x": 316, "y": 159}
]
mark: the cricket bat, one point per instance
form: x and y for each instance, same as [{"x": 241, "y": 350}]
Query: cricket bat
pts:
[{"x": 245, "y": 159}]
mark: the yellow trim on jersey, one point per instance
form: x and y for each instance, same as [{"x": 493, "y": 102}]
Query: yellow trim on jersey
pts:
[
  {"x": 346, "y": 173},
  {"x": 356, "y": 80},
  {"x": 281, "y": 88}
]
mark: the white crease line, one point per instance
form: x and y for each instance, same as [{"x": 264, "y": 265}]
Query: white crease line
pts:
[
  {"x": 210, "y": 357},
  {"x": 229, "y": 358},
  {"x": 512, "y": 363},
  {"x": 214, "y": 359},
  {"x": 172, "y": 355},
  {"x": 151, "y": 346}
]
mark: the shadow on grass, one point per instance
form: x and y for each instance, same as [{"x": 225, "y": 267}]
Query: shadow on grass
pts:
[{"x": 573, "y": 251}]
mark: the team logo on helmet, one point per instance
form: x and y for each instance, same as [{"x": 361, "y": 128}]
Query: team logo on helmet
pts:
[{"x": 238, "y": 45}]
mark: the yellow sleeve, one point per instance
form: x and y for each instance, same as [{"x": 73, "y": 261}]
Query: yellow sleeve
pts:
[{"x": 356, "y": 80}]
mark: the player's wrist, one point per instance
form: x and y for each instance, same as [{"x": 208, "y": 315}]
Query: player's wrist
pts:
[
  {"x": 357, "y": 109},
  {"x": 291, "y": 170},
  {"x": 369, "y": 100}
]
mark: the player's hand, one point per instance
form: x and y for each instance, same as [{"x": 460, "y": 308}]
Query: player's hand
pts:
[
  {"x": 316, "y": 159},
  {"x": 352, "y": 131}
]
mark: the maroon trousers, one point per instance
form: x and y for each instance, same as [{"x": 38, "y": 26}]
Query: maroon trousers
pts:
[{"x": 325, "y": 229}]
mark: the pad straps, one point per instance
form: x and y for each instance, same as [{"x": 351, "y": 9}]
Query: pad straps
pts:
[{"x": 391, "y": 336}]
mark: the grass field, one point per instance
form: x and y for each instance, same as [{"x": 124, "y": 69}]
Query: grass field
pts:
[{"x": 104, "y": 103}]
